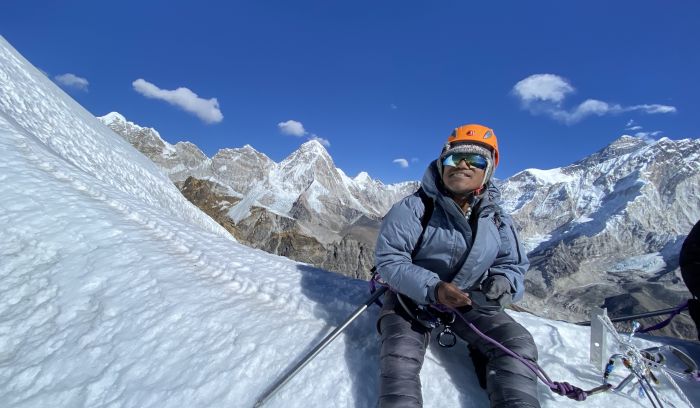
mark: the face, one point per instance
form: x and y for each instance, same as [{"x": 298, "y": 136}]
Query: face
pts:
[{"x": 463, "y": 178}]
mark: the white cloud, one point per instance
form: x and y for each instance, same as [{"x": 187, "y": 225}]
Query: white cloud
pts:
[
  {"x": 321, "y": 140},
  {"x": 394, "y": 107},
  {"x": 653, "y": 108},
  {"x": 593, "y": 107},
  {"x": 633, "y": 126},
  {"x": 645, "y": 135},
  {"x": 587, "y": 108},
  {"x": 401, "y": 162},
  {"x": 72, "y": 81},
  {"x": 648, "y": 134},
  {"x": 292, "y": 127},
  {"x": 543, "y": 87},
  {"x": 296, "y": 128},
  {"x": 205, "y": 109},
  {"x": 545, "y": 94}
]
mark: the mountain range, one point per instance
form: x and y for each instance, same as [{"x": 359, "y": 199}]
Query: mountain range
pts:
[
  {"x": 303, "y": 207},
  {"x": 604, "y": 231},
  {"x": 607, "y": 230}
]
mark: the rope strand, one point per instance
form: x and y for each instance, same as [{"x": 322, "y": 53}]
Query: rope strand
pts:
[
  {"x": 665, "y": 322},
  {"x": 561, "y": 388}
]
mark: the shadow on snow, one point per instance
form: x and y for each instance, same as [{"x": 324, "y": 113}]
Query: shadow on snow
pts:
[{"x": 336, "y": 297}]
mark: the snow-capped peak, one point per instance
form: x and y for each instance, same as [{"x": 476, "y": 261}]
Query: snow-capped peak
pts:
[
  {"x": 246, "y": 150},
  {"x": 118, "y": 120},
  {"x": 627, "y": 143},
  {"x": 313, "y": 146},
  {"x": 112, "y": 117},
  {"x": 306, "y": 155},
  {"x": 551, "y": 176},
  {"x": 363, "y": 178}
]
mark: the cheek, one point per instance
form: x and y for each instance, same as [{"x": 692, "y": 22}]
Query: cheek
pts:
[{"x": 450, "y": 182}]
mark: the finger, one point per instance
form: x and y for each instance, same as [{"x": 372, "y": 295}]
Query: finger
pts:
[
  {"x": 455, "y": 305},
  {"x": 464, "y": 296},
  {"x": 461, "y": 300},
  {"x": 461, "y": 297}
]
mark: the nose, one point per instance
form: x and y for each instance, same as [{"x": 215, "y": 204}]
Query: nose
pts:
[{"x": 463, "y": 164}]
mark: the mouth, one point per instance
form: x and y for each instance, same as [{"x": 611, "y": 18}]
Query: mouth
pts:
[{"x": 461, "y": 174}]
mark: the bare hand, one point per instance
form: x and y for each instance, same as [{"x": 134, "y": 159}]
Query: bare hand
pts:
[{"x": 449, "y": 295}]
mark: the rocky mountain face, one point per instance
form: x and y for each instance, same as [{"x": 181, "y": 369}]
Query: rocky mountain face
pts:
[
  {"x": 303, "y": 208},
  {"x": 180, "y": 161},
  {"x": 607, "y": 230},
  {"x": 352, "y": 254},
  {"x": 604, "y": 231}
]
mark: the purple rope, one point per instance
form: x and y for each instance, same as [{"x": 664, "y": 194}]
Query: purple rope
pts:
[
  {"x": 561, "y": 388},
  {"x": 373, "y": 288},
  {"x": 664, "y": 323}
]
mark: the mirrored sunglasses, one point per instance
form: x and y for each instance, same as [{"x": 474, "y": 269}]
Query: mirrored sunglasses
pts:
[{"x": 472, "y": 159}]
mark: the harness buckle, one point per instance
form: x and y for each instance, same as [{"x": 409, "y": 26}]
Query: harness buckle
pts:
[{"x": 447, "y": 338}]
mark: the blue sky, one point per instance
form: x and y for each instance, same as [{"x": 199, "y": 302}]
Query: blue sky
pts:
[{"x": 382, "y": 83}]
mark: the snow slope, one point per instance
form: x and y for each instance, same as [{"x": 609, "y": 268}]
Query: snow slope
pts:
[{"x": 115, "y": 291}]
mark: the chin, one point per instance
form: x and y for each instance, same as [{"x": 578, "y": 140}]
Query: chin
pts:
[{"x": 460, "y": 191}]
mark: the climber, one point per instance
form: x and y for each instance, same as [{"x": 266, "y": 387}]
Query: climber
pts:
[{"x": 466, "y": 257}]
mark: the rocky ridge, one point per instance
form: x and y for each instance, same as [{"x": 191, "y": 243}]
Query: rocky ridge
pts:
[
  {"x": 303, "y": 207},
  {"x": 607, "y": 229}
]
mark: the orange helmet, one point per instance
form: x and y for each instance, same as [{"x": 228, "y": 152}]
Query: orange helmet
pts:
[{"x": 476, "y": 134}]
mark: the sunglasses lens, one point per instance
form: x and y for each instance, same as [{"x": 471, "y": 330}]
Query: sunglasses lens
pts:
[{"x": 473, "y": 160}]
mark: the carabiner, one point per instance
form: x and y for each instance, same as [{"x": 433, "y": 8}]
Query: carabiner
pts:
[{"x": 451, "y": 337}]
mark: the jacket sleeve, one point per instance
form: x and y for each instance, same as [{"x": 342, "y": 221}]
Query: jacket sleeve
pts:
[
  {"x": 398, "y": 236},
  {"x": 511, "y": 260}
]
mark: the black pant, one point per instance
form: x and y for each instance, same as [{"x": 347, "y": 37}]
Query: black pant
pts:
[{"x": 509, "y": 383}]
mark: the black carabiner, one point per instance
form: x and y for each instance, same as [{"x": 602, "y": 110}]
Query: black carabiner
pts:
[{"x": 451, "y": 337}]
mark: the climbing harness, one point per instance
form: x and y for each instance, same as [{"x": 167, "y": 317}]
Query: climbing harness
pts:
[
  {"x": 426, "y": 315},
  {"x": 561, "y": 388},
  {"x": 432, "y": 318},
  {"x": 641, "y": 364}
]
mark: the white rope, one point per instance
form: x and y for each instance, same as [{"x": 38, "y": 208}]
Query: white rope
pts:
[
  {"x": 677, "y": 388},
  {"x": 639, "y": 362}
]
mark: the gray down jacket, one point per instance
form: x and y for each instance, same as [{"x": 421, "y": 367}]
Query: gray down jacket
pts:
[{"x": 487, "y": 240}]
